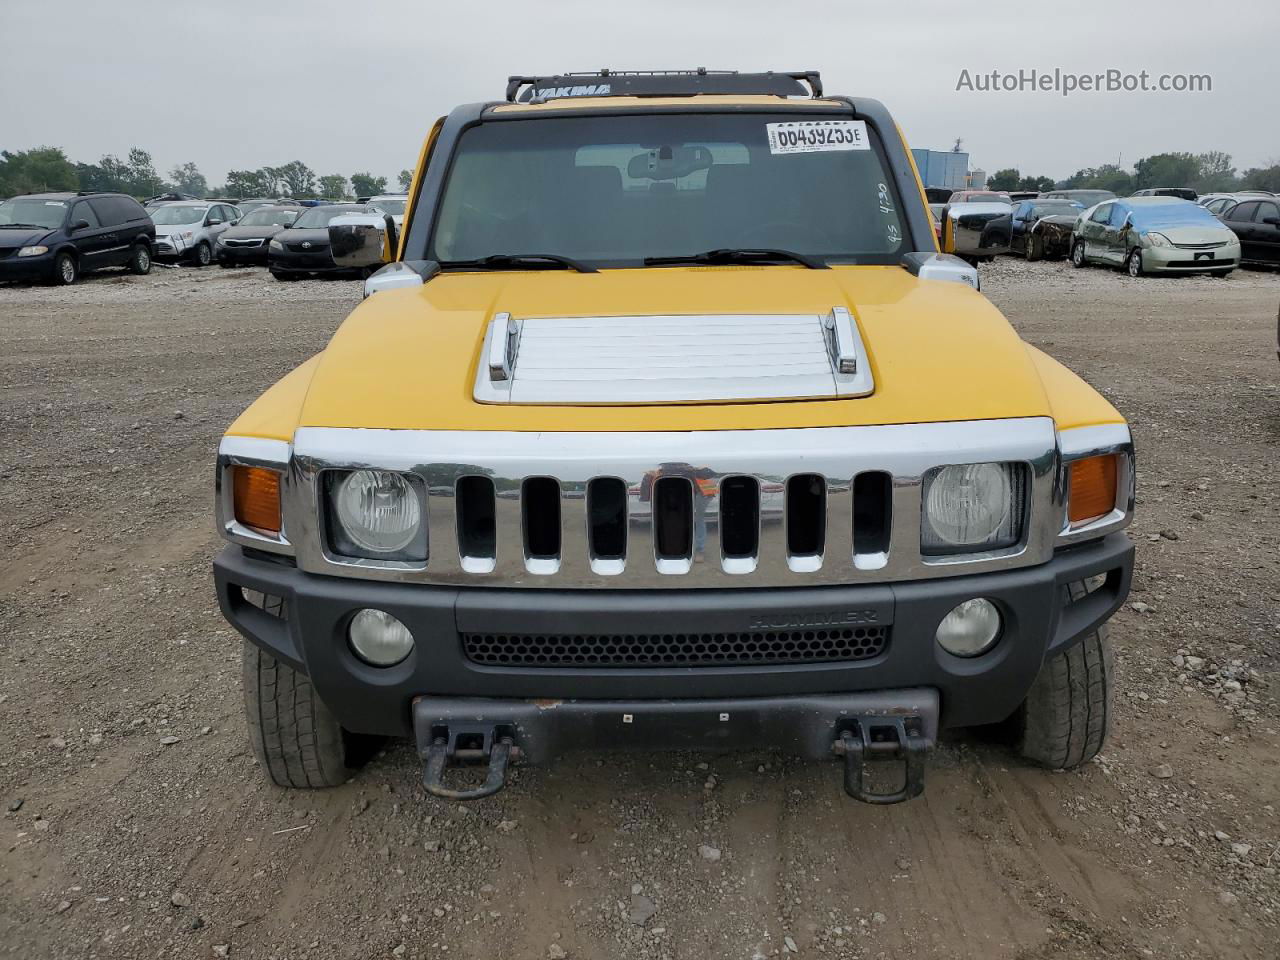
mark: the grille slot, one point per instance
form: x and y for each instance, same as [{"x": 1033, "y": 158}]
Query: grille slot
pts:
[
  {"x": 676, "y": 649},
  {"x": 607, "y": 523},
  {"x": 477, "y": 530},
  {"x": 740, "y": 518},
  {"x": 872, "y": 519},
  {"x": 673, "y": 523},
  {"x": 540, "y": 520},
  {"x": 806, "y": 521}
]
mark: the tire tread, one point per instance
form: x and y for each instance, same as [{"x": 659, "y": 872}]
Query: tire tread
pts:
[
  {"x": 295, "y": 738},
  {"x": 1067, "y": 713}
]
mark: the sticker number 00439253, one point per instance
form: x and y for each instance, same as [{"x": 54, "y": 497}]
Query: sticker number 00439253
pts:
[{"x": 817, "y": 136}]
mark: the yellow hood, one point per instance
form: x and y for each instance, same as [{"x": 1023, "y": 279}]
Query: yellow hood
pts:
[{"x": 406, "y": 359}]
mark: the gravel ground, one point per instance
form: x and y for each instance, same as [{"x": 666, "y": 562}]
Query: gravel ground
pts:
[{"x": 135, "y": 823}]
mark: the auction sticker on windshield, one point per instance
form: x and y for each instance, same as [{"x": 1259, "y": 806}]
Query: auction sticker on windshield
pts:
[{"x": 817, "y": 136}]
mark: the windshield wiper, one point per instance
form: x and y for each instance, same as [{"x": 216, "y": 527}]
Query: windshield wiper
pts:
[
  {"x": 499, "y": 260},
  {"x": 24, "y": 226},
  {"x": 740, "y": 255}
]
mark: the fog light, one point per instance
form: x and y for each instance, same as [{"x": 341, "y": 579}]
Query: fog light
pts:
[
  {"x": 379, "y": 638},
  {"x": 970, "y": 629}
]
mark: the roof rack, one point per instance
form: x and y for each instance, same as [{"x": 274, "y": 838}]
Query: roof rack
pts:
[{"x": 662, "y": 83}]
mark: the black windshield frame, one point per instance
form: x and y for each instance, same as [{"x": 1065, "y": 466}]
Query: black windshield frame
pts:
[{"x": 425, "y": 228}]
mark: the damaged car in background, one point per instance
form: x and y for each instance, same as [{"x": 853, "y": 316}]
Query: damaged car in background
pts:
[
  {"x": 1155, "y": 235},
  {"x": 1041, "y": 229}
]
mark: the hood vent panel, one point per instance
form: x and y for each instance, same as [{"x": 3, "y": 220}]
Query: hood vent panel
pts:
[{"x": 672, "y": 359}]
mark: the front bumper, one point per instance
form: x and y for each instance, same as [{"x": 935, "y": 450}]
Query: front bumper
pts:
[
  {"x": 311, "y": 637},
  {"x": 14, "y": 267},
  {"x": 1178, "y": 260},
  {"x": 171, "y": 248},
  {"x": 248, "y": 255},
  {"x": 290, "y": 262}
]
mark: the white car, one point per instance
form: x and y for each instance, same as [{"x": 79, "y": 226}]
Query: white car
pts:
[
  {"x": 189, "y": 229},
  {"x": 392, "y": 203}
]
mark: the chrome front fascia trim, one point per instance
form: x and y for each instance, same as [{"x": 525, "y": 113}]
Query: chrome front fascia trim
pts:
[
  {"x": 839, "y": 454},
  {"x": 1082, "y": 442},
  {"x": 251, "y": 452}
]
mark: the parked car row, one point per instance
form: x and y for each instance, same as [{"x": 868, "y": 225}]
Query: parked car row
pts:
[{"x": 1157, "y": 230}]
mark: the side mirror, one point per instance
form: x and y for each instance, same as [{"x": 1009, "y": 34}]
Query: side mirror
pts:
[
  {"x": 213, "y": 221},
  {"x": 1274, "y": 221},
  {"x": 978, "y": 229},
  {"x": 80, "y": 225},
  {"x": 358, "y": 240}
]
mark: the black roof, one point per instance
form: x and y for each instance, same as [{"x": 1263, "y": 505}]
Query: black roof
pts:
[{"x": 662, "y": 83}]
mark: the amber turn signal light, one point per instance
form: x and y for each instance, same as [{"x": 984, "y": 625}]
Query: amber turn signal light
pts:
[
  {"x": 256, "y": 497},
  {"x": 1093, "y": 489}
]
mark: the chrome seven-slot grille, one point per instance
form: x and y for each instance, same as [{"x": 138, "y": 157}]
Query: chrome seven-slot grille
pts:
[{"x": 664, "y": 510}]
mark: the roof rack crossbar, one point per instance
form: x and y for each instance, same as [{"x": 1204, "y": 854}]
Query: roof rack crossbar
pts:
[{"x": 662, "y": 83}]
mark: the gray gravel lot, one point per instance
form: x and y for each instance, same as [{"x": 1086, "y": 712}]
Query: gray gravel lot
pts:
[{"x": 134, "y": 823}]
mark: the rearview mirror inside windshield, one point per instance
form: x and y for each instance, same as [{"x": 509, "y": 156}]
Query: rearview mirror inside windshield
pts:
[{"x": 668, "y": 163}]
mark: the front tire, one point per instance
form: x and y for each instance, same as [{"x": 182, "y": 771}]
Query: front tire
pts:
[
  {"x": 202, "y": 256},
  {"x": 294, "y": 736},
  {"x": 65, "y": 270},
  {"x": 1033, "y": 247},
  {"x": 1077, "y": 254},
  {"x": 1133, "y": 263},
  {"x": 140, "y": 262},
  {"x": 1067, "y": 713}
]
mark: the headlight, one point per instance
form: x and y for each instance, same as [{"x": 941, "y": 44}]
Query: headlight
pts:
[
  {"x": 275, "y": 244},
  {"x": 32, "y": 251},
  {"x": 971, "y": 507},
  {"x": 1158, "y": 240},
  {"x": 378, "y": 516}
]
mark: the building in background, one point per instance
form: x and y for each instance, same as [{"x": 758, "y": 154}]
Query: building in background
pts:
[
  {"x": 977, "y": 179},
  {"x": 940, "y": 168}
]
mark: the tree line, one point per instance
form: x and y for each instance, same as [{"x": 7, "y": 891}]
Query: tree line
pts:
[
  {"x": 48, "y": 168},
  {"x": 1211, "y": 172}
]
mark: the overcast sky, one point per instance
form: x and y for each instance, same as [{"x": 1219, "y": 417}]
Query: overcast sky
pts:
[{"x": 352, "y": 85}]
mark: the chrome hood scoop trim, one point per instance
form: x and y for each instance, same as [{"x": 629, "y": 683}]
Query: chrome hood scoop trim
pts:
[{"x": 705, "y": 358}]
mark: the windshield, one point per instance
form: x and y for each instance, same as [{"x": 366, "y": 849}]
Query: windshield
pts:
[
  {"x": 613, "y": 190},
  {"x": 32, "y": 212},
  {"x": 1090, "y": 197},
  {"x": 172, "y": 214},
  {"x": 1177, "y": 213},
  {"x": 265, "y": 216},
  {"x": 1061, "y": 209},
  {"x": 320, "y": 216},
  {"x": 391, "y": 205}
]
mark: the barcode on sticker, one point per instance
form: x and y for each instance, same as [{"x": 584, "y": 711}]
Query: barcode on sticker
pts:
[{"x": 817, "y": 136}]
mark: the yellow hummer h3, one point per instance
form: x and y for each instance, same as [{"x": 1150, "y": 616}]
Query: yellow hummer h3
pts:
[{"x": 667, "y": 424}]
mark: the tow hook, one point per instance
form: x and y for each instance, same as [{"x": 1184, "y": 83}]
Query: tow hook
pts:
[
  {"x": 882, "y": 740},
  {"x": 450, "y": 747}
]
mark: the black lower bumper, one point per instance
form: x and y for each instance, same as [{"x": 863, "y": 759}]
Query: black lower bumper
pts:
[
  {"x": 1039, "y": 621},
  {"x": 14, "y": 267},
  {"x": 243, "y": 256}
]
